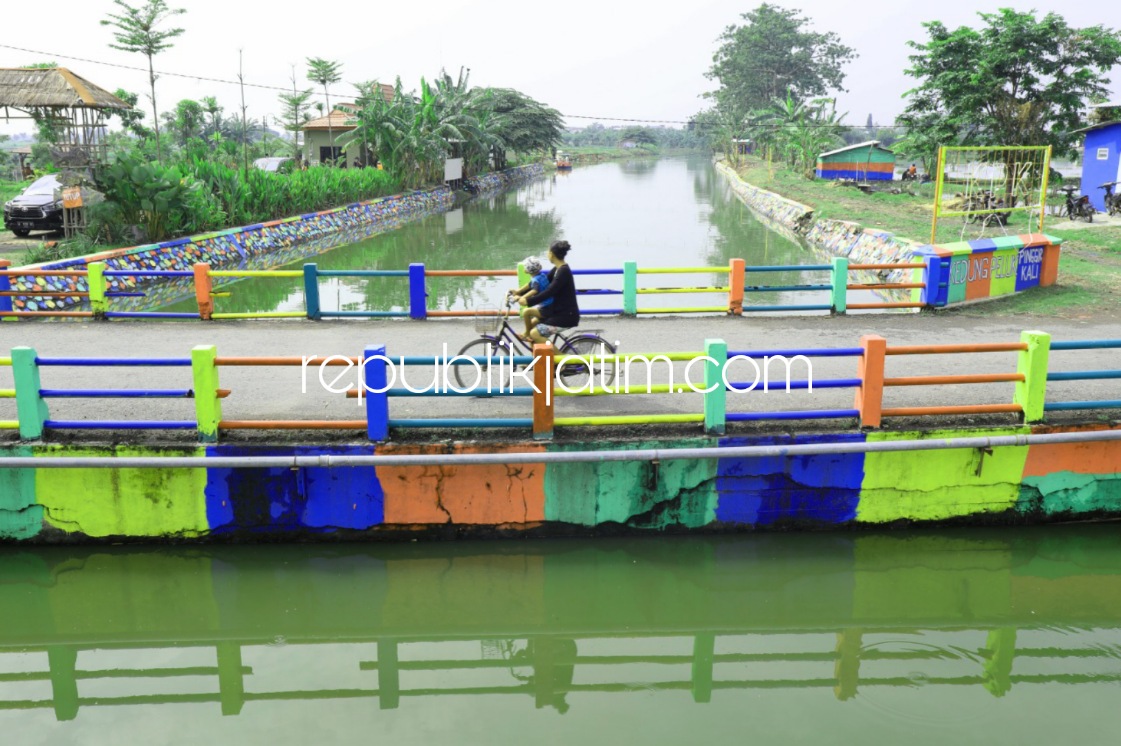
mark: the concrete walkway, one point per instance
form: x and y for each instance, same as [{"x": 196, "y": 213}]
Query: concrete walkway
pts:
[{"x": 278, "y": 393}]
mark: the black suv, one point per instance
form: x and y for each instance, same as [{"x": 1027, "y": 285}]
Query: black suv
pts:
[{"x": 39, "y": 208}]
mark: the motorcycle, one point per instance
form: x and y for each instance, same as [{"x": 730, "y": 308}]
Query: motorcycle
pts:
[
  {"x": 1112, "y": 201},
  {"x": 1078, "y": 208}
]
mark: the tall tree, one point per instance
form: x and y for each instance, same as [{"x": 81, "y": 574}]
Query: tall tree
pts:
[
  {"x": 137, "y": 31},
  {"x": 325, "y": 72},
  {"x": 1014, "y": 81},
  {"x": 771, "y": 55},
  {"x": 296, "y": 105}
]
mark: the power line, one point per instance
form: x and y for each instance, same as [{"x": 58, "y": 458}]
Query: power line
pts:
[{"x": 286, "y": 90}]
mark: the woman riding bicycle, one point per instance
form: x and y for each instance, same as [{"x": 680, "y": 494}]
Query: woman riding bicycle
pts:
[{"x": 563, "y": 313}]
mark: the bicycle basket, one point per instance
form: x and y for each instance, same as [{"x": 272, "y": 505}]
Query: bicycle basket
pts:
[{"x": 489, "y": 320}]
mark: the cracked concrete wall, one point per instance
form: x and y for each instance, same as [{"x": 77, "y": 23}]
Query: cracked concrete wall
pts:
[{"x": 1013, "y": 484}]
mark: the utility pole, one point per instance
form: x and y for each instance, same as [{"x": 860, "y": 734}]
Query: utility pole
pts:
[{"x": 244, "y": 121}]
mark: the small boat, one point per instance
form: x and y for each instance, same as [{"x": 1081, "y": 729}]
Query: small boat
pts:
[{"x": 564, "y": 163}]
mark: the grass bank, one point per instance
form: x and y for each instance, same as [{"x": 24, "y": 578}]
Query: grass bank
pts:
[{"x": 1089, "y": 283}]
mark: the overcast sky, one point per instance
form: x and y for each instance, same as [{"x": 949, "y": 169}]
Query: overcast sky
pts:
[{"x": 625, "y": 59}]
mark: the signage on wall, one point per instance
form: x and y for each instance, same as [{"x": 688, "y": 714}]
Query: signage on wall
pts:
[{"x": 1103, "y": 154}]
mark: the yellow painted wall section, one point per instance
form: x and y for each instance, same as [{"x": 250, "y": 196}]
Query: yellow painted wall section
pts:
[
  {"x": 919, "y": 577},
  {"x": 936, "y": 485},
  {"x": 124, "y": 502}
]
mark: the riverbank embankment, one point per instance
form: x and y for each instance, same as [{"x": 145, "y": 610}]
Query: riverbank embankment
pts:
[{"x": 1089, "y": 281}]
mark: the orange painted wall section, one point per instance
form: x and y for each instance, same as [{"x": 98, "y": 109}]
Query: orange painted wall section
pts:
[
  {"x": 1077, "y": 458},
  {"x": 487, "y": 495}
]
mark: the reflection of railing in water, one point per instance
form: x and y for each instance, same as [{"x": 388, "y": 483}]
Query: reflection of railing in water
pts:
[{"x": 546, "y": 666}]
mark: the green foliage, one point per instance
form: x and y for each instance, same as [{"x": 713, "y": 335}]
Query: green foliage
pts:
[
  {"x": 131, "y": 119},
  {"x": 772, "y": 55},
  {"x": 638, "y": 136},
  {"x": 158, "y": 199},
  {"x": 523, "y": 124},
  {"x": 1015, "y": 81},
  {"x": 413, "y": 134},
  {"x": 295, "y": 114},
  {"x": 137, "y": 31},
  {"x": 797, "y": 131}
]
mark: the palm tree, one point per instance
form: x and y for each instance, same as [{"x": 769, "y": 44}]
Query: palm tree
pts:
[{"x": 325, "y": 72}]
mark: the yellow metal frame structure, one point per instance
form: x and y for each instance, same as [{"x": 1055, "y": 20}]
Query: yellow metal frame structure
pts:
[{"x": 1041, "y": 204}]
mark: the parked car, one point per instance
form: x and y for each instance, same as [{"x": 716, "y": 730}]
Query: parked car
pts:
[
  {"x": 276, "y": 165},
  {"x": 38, "y": 208}
]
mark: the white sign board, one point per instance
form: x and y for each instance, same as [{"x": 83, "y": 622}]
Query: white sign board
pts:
[
  {"x": 1103, "y": 154},
  {"x": 453, "y": 169}
]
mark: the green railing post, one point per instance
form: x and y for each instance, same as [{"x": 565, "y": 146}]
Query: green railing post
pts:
[
  {"x": 208, "y": 407},
  {"x": 630, "y": 288},
  {"x": 95, "y": 279},
  {"x": 30, "y": 407},
  {"x": 1032, "y": 363},
  {"x": 716, "y": 393},
  {"x": 840, "y": 282}
]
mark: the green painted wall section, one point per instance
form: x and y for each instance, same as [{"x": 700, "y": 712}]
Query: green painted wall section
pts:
[
  {"x": 20, "y": 517},
  {"x": 1067, "y": 492},
  {"x": 124, "y": 502},
  {"x": 636, "y": 493},
  {"x": 936, "y": 485}
]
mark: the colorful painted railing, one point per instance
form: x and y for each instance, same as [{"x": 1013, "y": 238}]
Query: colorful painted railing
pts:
[
  {"x": 98, "y": 279},
  {"x": 377, "y": 386}
]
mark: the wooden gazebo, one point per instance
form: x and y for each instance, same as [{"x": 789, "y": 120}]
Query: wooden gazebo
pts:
[{"x": 76, "y": 109}]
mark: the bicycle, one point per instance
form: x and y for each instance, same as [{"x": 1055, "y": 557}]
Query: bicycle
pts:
[{"x": 499, "y": 340}]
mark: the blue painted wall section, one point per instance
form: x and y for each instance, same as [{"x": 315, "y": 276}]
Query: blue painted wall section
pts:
[
  {"x": 295, "y": 499},
  {"x": 763, "y": 491}
]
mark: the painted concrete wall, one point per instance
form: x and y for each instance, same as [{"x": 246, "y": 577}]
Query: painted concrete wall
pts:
[
  {"x": 261, "y": 246},
  {"x": 1018, "y": 484}
]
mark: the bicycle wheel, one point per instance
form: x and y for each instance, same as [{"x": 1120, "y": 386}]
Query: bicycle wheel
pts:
[
  {"x": 577, "y": 374},
  {"x": 494, "y": 376}
]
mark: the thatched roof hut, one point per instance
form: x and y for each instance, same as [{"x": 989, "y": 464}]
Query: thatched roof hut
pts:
[
  {"x": 75, "y": 109},
  {"x": 27, "y": 88}
]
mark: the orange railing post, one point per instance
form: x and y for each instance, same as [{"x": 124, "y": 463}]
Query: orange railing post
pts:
[
  {"x": 543, "y": 392},
  {"x": 870, "y": 395},
  {"x": 204, "y": 291},
  {"x": 735, "y": 286}
]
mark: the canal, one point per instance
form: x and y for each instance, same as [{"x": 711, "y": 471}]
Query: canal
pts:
[
  {"x": 659, "y": 212},
  {"x": 956, "y": 636}
]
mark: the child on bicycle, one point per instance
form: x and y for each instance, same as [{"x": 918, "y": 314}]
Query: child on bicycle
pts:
[{"x": 538, "y": 281}]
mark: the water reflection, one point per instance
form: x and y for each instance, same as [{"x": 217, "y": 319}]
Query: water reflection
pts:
[
  {"x": 560, "y": 625},
  {"x": 658, "y": 212}
]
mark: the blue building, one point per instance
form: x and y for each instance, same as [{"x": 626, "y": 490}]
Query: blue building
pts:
[{"x": 1101, "y": 160}]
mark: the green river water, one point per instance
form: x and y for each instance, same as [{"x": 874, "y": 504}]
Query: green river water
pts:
[
  {"x": 668, "y": 212},
  {"x": 954, "y": 637}
]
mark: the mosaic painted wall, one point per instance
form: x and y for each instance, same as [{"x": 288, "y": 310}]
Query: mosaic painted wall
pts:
[
  {"x": 1011, "y": 484},
  {"x": 968, "y": 270},
  {"x": 260, "y": 246}
]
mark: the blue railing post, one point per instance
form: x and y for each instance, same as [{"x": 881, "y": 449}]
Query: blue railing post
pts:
[
  {"x": 30, "y": 407},
  {"x": 374, "y": 376},
  {"x": 840, "y": 284},
  {"x": 311, "y": 291},
  {"x": 418, "y": 295},
  {"x": 5, "y": 286},
  {"x": 936, "y": 277}
]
